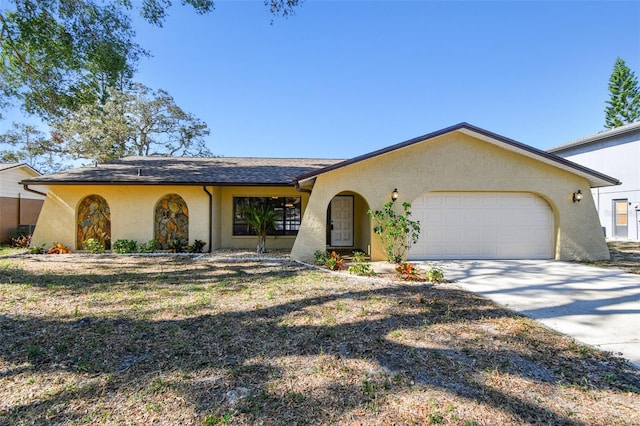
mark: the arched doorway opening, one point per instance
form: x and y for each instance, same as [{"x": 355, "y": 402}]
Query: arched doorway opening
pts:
[{"x": 348, "y": 226}]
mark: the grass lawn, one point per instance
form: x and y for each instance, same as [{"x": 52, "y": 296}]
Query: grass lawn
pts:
[
  {"x": 193, "y": 341},
  {"x": 625, "y": 255}
]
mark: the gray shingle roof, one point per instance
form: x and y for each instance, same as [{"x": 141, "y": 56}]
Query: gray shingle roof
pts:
[
  {"x": 605, "y": 134},
  {"x": 189, "y": 171}
]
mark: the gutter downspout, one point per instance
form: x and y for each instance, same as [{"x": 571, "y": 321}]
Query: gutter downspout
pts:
[
  {"x": 26, "y": 188},
  {"x": 204, "y": 187}
]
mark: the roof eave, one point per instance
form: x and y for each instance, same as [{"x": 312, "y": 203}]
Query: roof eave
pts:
[
  {"x": 19, "y": 165},
  {"x": 149, "y": 183}
]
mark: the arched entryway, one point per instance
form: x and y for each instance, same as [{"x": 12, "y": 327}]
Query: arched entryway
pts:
[
  {"x": 94, "y": 221},
  {"x": 171, "y": 222},
  {"x": 348, "y": 225}
]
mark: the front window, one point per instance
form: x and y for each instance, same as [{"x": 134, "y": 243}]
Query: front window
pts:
[{"x": 289, "y": 211}]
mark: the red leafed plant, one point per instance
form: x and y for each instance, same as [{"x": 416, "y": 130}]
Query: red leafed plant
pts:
[
  {"x": 408, "y": 271},
  {"x": 59, "y": 248},
  {"x": 334, "y": 261}
]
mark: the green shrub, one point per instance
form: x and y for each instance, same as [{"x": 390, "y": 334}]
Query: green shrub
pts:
[
  {"x": 320, "y": 257},
  {"x": 177, "y": 246},
  {"x": 397, "y": 231},
  {"x": 125, "y": 246},
  {"x": 359, "y": 256},
  {"x": 149, "y": 247},
  {"x": 363, "y": 269},
  {"x": 435, "y": 274},
  {"x": 93, "y": 246},
  {"x": 38, "y": 249}
]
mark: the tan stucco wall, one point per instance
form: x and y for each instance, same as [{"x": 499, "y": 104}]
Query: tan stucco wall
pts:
[
  {"x": 216, "y": 222},
  {"x": 228, "y": 240},
  {"x": 458, "y": 162},
  {"x": 132, "y": 213}
]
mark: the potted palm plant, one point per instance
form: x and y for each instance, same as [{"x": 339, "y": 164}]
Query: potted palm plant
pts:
[{"x": 261, "y": 218}]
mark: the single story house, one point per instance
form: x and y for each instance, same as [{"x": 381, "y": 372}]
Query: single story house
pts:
[
  {"x": 476, "y": 194},
  {"x": 18, "y": 207},
  {"x": 614, "y": 151}
]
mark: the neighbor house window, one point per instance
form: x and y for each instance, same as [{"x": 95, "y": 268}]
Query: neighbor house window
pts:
[{"x": 289, "y": 214}]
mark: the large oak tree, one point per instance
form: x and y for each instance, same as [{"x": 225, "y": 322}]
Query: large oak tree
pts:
[
  {"x": 138, "y": 121},
  {"x": 60, "y": 54},
  {"x": 27, "y": 144}
]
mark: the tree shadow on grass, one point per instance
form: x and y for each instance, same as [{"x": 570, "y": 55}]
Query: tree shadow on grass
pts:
[
  {"x": 96, "y": 273},
  {"x": 236, "y": 362}
]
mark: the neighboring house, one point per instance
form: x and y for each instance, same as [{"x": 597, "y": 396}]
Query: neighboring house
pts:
[
  {"x": 17, "y": 206},
  {"x": 477, "y": 195},
  {"x": 617, "y": 152}
]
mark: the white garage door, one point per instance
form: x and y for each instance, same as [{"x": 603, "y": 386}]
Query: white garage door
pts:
[{"x": 483, "y": 225}]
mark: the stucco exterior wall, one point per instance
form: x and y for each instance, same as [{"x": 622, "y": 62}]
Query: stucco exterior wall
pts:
[
  {"x": 132, "y": 213},
  {"x": 216, "y": 241},
  {"x": 457, "y": 162}
]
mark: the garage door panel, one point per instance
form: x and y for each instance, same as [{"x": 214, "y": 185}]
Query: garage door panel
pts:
[
  {"x": 454, "y": 201},
  {"x": 483, "y": 226},
  {"x": 477, "y": 251},
  {"x": 433, "y": 201}
]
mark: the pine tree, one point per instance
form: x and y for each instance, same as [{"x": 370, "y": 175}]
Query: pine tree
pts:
[{"x": 624, "y": 105}]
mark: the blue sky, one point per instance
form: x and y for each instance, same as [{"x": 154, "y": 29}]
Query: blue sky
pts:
[{"x": 342, "y": 78}]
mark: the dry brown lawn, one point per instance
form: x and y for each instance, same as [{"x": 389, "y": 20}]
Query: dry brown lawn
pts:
[
  {"x": 178, "y": 340},
  {"x": 625, "y": 255}
]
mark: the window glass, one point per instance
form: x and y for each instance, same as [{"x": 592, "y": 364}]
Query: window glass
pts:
[
  {"x": 621, "y": 212},
  {"x": 289, "y": 211}
]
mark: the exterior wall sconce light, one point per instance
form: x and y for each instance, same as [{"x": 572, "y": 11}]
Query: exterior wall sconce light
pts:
[
  {"x": 577, "y": 196},
  {"x": 394, "y": 195}
]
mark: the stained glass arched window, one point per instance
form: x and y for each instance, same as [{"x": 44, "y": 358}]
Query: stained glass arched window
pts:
[
  {"x": 94, "y": 221},
  {"x": 171, "y": 228}
]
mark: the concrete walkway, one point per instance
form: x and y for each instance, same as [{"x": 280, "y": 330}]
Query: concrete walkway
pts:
[{"x": 596, "y": 306}]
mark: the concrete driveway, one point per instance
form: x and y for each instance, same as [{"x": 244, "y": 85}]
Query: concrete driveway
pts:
[{"x": 596, "y": 306}]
